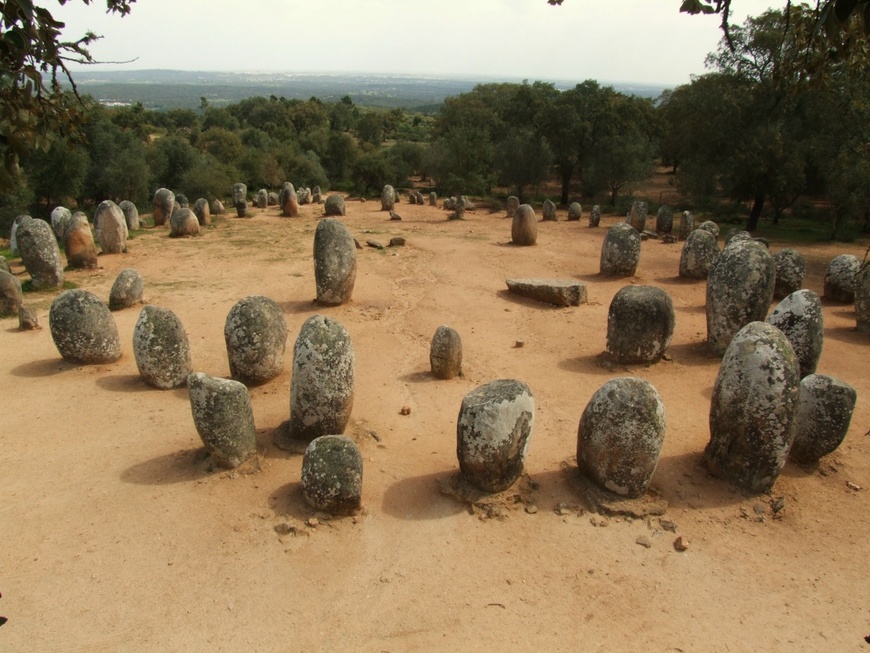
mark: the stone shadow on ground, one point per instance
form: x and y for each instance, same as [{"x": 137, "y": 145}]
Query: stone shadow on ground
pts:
[
  {"x": 679, "y": 281},
  {"x": 419, "y": 498},
  {"x": 685, "y": 482},
  {"x": 43, "y": 368},
  {"x": 297, "y": 307},
  {"x": 601, "y": 363},
  {"x": 423, "y": 376},
  {"x": 177, "y": 467},
  {"x": 848, "y": 334},
  {"x": 135, "y": 383},
  {"x": 693, "y": 353},
  {"x": 513, "y": 298}
]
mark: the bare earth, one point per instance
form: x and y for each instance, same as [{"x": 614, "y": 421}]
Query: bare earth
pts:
[{"x": 118, "y": 536}]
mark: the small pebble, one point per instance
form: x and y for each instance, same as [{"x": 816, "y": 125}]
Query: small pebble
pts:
[
  {"x": 681, "y": 543},
  {"x": 313, "y": 522},
  {"x": 853, "y": 486},
  {"x": 643, "y": 540},
  {"x": 668, "y": 525},
  {"x": 520, "y": 343},
  {"x": 406, "y": 410},
  {"x": 531, "y": 508}
]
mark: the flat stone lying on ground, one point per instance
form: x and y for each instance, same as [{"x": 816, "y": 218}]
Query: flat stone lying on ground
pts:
[
  {"x": 332, "y": 474},
  {"x": 127, "y": 290},
  {"x": 83, "y": 329},
  {"x": 223, "y": 417},
  {"x": 562, "y": 292}
]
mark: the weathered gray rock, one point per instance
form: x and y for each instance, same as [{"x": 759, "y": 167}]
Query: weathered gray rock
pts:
[
  {"x": 665, "y": 219},
  {"x": 181, "y": 202},
  {"x": 790, "y": 272},
  {"x": 223, "y": 417},
  {"x": 549, "y": 211},
  {"x": 40, "y": 254},
  {"x": 700, "y": 252},
  {"x": 316, "y": 195},
  {"x": 60, "y": 217},
  {"x": 513, "y": 203},
  {"x": 110, "y": 226},
  {"x": 433, "y": 199},
  {"x": 799, "y": 317},
  {"x": 388, "y": 198},
  {"x": 242, "y": 209},
  {"x": 824, "y": 412},
  {"x": 637, "y": 215},
  {"x": 240, "y": 193},
  {"x": 131, "y": 215},
  {"x": 332, "y": 473},
  {"x": 840, "y": 278},
  {"x": 217, "y": 207},
  {"x": 273, "y": 198},
  {"x": 595, "y": 216},
  {"x": 620, "y": 436},
  {"x": 493, "y": 432},
  {"x": 262, "y": 198},
  {"x": 256, "y": 337},
  {"x": 739, "y": 291},
  {"x": 575, "y": 211},
  {"x": 420, "y": 199},
  {"x": 127, "y": 290},
  {"x": 28, "y": 320},
  {"x": 161, "y": 348},
  {"x": 334, "y": 206},
  {"x": 752, "y": 409},
  {"x": 687, "y": 224},
  {"x": 334, "y": 262},
  {"x": 83, "y": 329},
  {"x": 412, "y": 197},
  {"x": 640, "y": 324},
  {"x": 524, "y": 226},
  {"x": 322, "y": 385},
  {"x": 304, "y": 195},
  {"x": 445, "y": 353},
  {"x": 862, "y": 299},
  {"x": 163, "y": 206},
  {"x": 183, "y": 224},
  {"x": 289, "y": 201},
  {"x": 13, "y": 233},
  {"x": 202, "y": 212},
  {"x": 562, "y": 292},
  {"x": 10, "y": 294},
  {"x": 736, "y": 233},
  {"x": 78, "y": 244},
  {"x": 620, "y": 251},
  {"x": 712, "y": 227}
]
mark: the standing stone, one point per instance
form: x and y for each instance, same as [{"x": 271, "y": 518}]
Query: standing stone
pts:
[
  {"x": 111, "y": 227},
  {"x": 256, "y": 336},
  {"x": 28, "y": 320},
  {"x": 493, "y": 432},
  {"x": 240, "y": 193},
  {"x": 13, "y": 234},
  {"x": 10, "y": 294},
  {"x": 420, "y": 199},
  {"x": 316, "y": 195},
  {"x": 131, "y": 215},
  {"x": 217, "y": 207},
  {"x": 822, "y": 419},
  {"x": 289, "y": 201},
  {"x": 736, "y": 233},
  {"x": 458, "y": 209},
  {"x": 334, "y": 262},
  {"x": 163, "y": 206},
  {"x": 334, "y": 206},
  {"x": 752, "y": 409},
  {"x": 549, "y": 211},
  {"x": 637, "y": 215},
  {"x": 304, "y": 196},
  {"x": 262, "y": 198},
  {"x": 412, "y": 197},
  {"x": 242, "y": 209},
  {"x": 665, "y": 219},
  {"x": 799, "y": 317},
  {"x": 60, "y": 217},
  {"x": 524, "y": 226},
  {"x": 79, "y": 245},
  {"x": 272, "y": 198},
  {"x": 712, "y": 227},
  {"x": 181, "y": 202},
  {"x": 388, "y": 198},
  {"x": 40, "y": 254},
  {"x": 739, "y": 291},
  {"x": 575, "y": 211},
  {"x": 161, "y": 348},
  {"x": 687, "y": 224},
  {"x": 332, "y": 472},
  {"x": 445, "y": 353},
  {"x": 595, "y": 216},
  {"x": 513, "y": 203},
  {"x": 4, "y": 264},
  {"x": 83, "y": 329},
  {"x": 699, "y": 254},
  {"x": 862, "y": 298},
  {"x": 620, "y": 436},
  {"x": 790, "y": 272},
  {"x": 202, "y": 211},
  {"x": 620, "y": 251},
  {"x": 183, "y": 223},
  {"x": 640, "y": 324},
  {"x": 322, "y": 385},
  {"x": 126, "y": 291},
  {"x": 840, "y": 278},
  {"x": 223, "y": 417},
  {"x": 433, "y": 199}
]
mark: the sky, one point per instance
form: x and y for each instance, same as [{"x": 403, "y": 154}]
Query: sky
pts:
[{"x": 629, "y": 41}]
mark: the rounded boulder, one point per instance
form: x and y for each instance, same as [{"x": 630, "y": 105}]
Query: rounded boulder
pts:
[
  {"x": 334, "y": 262},
  {"x": 334, "y": 206},
  {"x": 163, "y": 205},
  {"x": 223, "y": 417},
  {"x": 332, "y": 473},
  {"x": 823, "y": 416},
  {"x": 445, "y": 353},
  {"x": 620, "y": 251},
  {"x": 640, "y": 324},
  {"x": 83, "y": 329},
  {"x": 161, "y": 348},
  {"x": 700, "y": 252},
  {"x": 799, "y": 317},
  {"x": 790, "y": 272},
  {"x": 126, "y": 291},
  {"x": 10, "y": 294},
  {"x": 183, "y": 224},
  {"x": 256, "y": 337},
  {"x": 78, "y": 243},
  {"x": 524, "y": 226},
  {"x": 840, "y": 277}
]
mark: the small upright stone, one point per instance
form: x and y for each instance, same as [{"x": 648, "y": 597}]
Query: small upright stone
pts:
[
  {"x": 790, "y": 272},
  {"x": 183, "y": 224},
  {"x": 181, "y": 201},
  {"x": 83, "y": 329},
  {"x": 334, "y": 206},
  {"x": 242, "y": 209},
  {"x": 412, "y": 197},
  {"x": 40, "y": 254},
  {"x": 161, "y": 348},
  {"x": 256, "y": 337},
  {"x": 433, "y": 199},
  {"x": 524, "y": 226},
  {"x": 493, "y": 432},
  {"x": 620, "y": 437},
  {"x": 699, "y": 254},
  {"x": 332, "y": 472},
  {"x": 131, "y": 215},
  {"x": 637, "y": 215},
  {"x": 595, "y": 216},
  {"x": 620, "y": 251},
  {"x": 445, "y": 353},
  {"x": 223, "y": 417},
  {"x": 712, "y": 227},
  {"x": 262, "y": 198},
  {"x": 549, "y": 211},
  {"x": 111, "y": 227},
  {"x": 665, "y": 219},
  {"x": 202, "y": 212},
  {"x": 217, "y": 207},
  {"x": 126, "y": 291},
  {"x": 575, "y": 211},
  {"x": 513, "y": 203},
  {"x": 420, "y": 199},
  {"x": 10, "y": 294},
  {"x": 687, "y": 224},
  {"x": 640, "y": 324},
  {"x": 273, "y": 198},
  {"x": 334, "y": 262},
  {"x": 28, "y": 320},
  {"x": 316, "y": 195},
  {"x": 824, "y": 412},
  {"x": 13, "y": 233},
  {"x": 388, "y": 198},
  {"x": 289, "y": 201},
  {"x": 60, "y": 217},
  {"x": 840, "y": 278},
  {"x": 799, "y": 317},
  {"x": 240, "y": 193},
  {"x": 862, "y": 299},
  {"x": 163, "y": 206},
  {"x": 78, "y": 244}
]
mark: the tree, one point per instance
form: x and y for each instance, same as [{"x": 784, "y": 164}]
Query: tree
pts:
[
  {"x": 58, "y": 174},
  {"x": 524, "y": 159}
]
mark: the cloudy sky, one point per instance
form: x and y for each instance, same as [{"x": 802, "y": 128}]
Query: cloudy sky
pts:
[{"x": 641, "y": 41}]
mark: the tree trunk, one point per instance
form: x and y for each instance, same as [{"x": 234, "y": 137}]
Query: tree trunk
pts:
[
  {"x": 755, "y": 214},
  {"x": 520, "y": 193},
  {"x": 566, "y": 185},
  {"x": 613, "y": 192}
]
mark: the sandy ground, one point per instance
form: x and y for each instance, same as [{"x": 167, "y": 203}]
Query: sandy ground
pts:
[{"x": 117, "y": 535}]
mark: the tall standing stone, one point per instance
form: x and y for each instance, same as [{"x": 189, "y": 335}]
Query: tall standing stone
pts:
[
  {"x": 445, "y": 353},
  {"x": 256, "y": 337},
  {"x": 161, "y": 348},
  {"x": 60, "y": 217},
  {"x": 332, "y": 472},
  {"x": 202, "y": 211},
  {"x": 13, "y": 233},
  {"x": 83, "y": 329},
  {"x": 824, "y": 412},
  {"x": 388, "y": 198},
  {"x": 240, "y": 193},
  {"x": 316, "y": 195},
  {"x": 524, "y": 226},
  {"x": 640, "y": 324},
  {"x": 799, "y": 317},
  {"x": 78, "y": 244},
  {"x": 665, "y": 219},
  {"x": 699, "y": 254},
  {"x": 752, "y": 408},
  {"x": 862, "y": 298},
  {"x": 595, "y": 216},
  {"x": 131, "y": 215},
  {"x": 637, "y": 215},
  {"x": 163, "y": 205},
  {"x": 334, "y": 262},
  {"x": 262, "y": 198},
  {"x": 575, "y": 211},
  {"x": 790, "y": 271},
  {"x": 289, "y": 201},
  {"x": 549, "y": 211},
  {"x": 223, "y": 417},
  {"x": 840, "y": 278},
  {"x": 10, "y": 294},
  {"x": 620, "y": 251},
  {"x": 111, "y": 227},
  {"x": 126, "y": 291},
  {"x": 433, "y": 199},
  {"x": 40, "y": 254},
  {"x": 687, "y": 224}
]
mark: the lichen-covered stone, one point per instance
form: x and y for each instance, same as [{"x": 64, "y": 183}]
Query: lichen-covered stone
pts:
[
  {"x": 700, "y": 252},
  {"x": 242, "y": 209},
  {"x": 332, "y": 473},
  {"x": 575, "y": 211},
  {"x": 712, "y": 227},
  {"x": 240, "y": 193},
  {"x": 620, "y": 436},
  {"x": 822, "y": 419},
  {"x": 322, "y": 385},
  {"x": 161, "y": 348},
  {"x": 181, "y": 202},
  {"x": 739, "y": 291},
  {"x": 10, "y": 294},
  {"x": 549, "y": 211},
  {"x": 131, "y": 215},
  {"x": 4, "y": 264},
  {"x": 752, "y": 408},
  {"x": 183, "y": 224},
  {"x": 637, "y": 215},
  {"x": 595, "y": 216},
  {"x": 163, "y": 205},
  {"x": 687, "y": 224},
  {"x": 840, "y": 278},
  {"x": 217, "y": 207},
  {"x": 334, "y": 206},
  {"x": 388, "y": 198},
  {"x": 111, "y": 228},
  {"x": 640, "y": 324},
  {"x": 433, "y": 199},
  {"x": 524, "y": 226},
  {"x": 316, "y": 195},
  {"x": 60, "y": 217},
  {"x": 665, "y": 219},
  {"x": 445, "y": 353},
  {"x": 736, "y": 233},
  {"x": 83, "y": 329},
  {"x": 862, "y": 299},
  {"x": 78, "y": 244},
  {"x": 513, "y": 203},
  {"x": 799, "y": 317},
  {"x": 493, "y": 432},
  {"x": 13, "y": 233},
  {"x": 262, "y": 198},
  {"x": 202, "y": 211},
  {"x": 790, "y": 271},
  {"x": 223, "y": 417},
  {"x": 334, "y": 262},
  {"x": 256, "y": 337},
  {"x": 620, "y": 251},
  {"x": 126, "y": 291},
  {"x": 40, "y": 254},
  {"x": 562, "y": 292},
  {"x": 304, "y": 196}
]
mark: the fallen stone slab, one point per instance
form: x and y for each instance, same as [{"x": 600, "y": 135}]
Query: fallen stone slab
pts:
[{"x": 562, "y": 292}]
